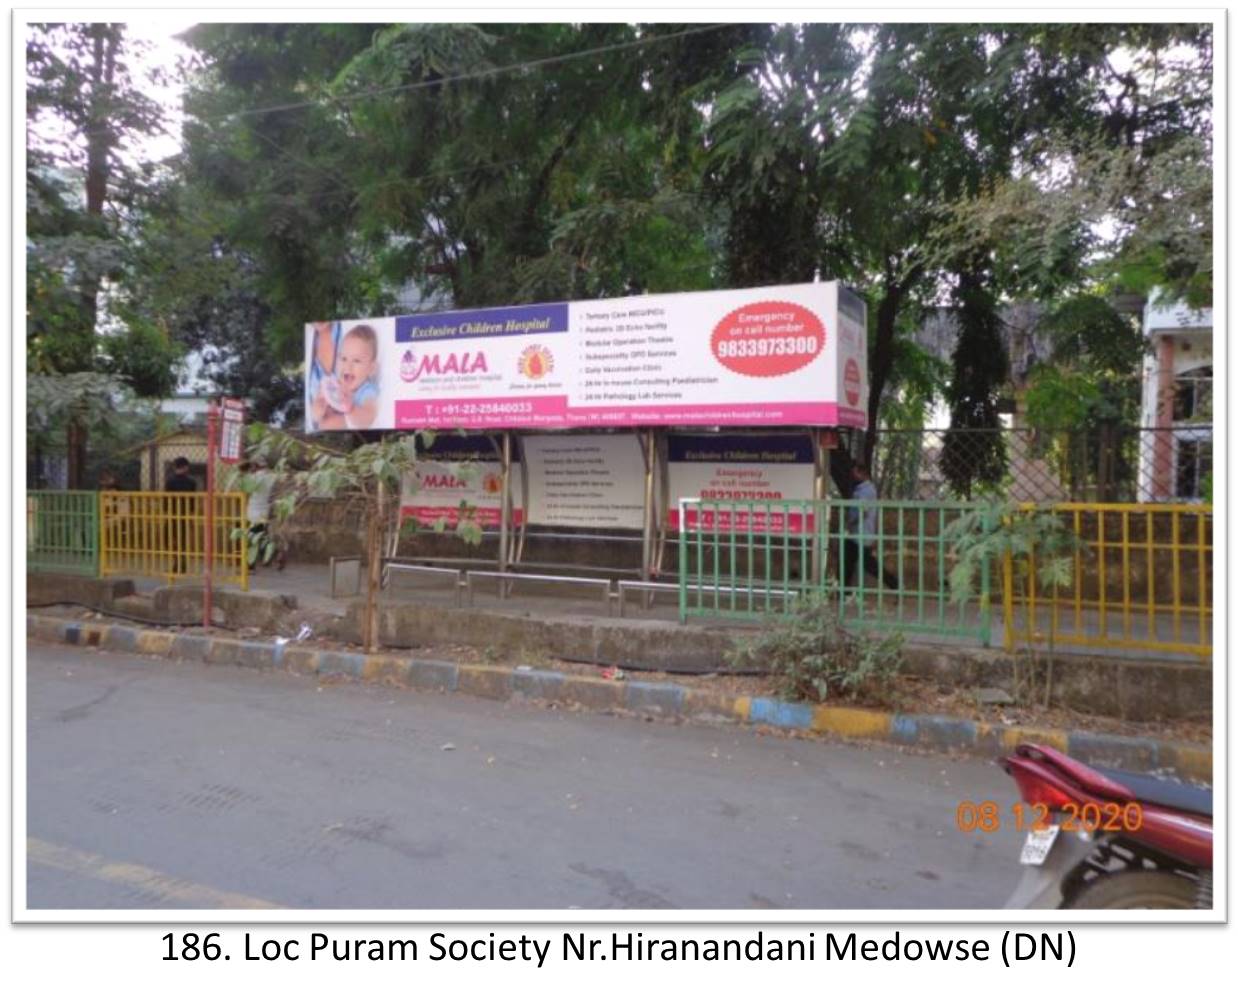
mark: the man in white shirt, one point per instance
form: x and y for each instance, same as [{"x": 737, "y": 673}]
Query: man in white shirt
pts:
[
  {"x": 861, "y": 530},
  {"x": 258, "y": 511}
]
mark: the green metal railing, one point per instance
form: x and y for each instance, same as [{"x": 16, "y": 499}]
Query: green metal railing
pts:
[
  {"x": 745, "y": 559},
  {"x": 892, "y": 561},
  {"x": 888, "y": 563},
  {"x": 62, "y": 532}
]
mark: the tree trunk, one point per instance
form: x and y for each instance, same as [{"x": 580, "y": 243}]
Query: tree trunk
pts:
[
  {"x": 99, "y": 143},
  {"x": 882, "y": 361},
  {"x": 75, "y": 446},
  {"x": 374, "y": 572}
]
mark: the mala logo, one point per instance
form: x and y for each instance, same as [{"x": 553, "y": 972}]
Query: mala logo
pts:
[
  {"x": 435, "y": 364},
  {"x": 535, "y": 362},
  {"x": 408, "y": 366}
]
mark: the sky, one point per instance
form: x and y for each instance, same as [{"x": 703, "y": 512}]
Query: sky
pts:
[{"x": 164, "y": 52}]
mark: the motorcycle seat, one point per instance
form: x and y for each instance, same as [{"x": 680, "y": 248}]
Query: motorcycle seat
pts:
[{"x": 1163, "y": 792}]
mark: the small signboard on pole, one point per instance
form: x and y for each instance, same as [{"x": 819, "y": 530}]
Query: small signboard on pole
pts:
[{"x": 231, "y": 425}]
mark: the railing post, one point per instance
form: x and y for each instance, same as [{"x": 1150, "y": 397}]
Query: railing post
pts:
[{"x": 211, "y": 418}]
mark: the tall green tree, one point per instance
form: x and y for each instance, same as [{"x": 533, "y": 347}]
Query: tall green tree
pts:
[
  {"x": 880, "y": 136},
  {"x": 85, "y": 111},
  {"x": 484, "y": 164},
  {"x": 495, "y": 163}
]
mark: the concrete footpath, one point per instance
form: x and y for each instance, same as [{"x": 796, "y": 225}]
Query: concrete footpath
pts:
[{"x": 662, "y": 700}]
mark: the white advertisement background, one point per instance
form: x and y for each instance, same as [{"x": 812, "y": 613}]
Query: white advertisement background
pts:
[
  {"x": 690, "y": 319},
  {"x": 420, "y": 490},
  {"x": 773, "y": 481},
  {"x": 593, "y": 481}
]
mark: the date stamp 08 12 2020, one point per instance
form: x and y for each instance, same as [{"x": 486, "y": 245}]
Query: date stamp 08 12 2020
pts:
[{"x": 1091, "y": 817}]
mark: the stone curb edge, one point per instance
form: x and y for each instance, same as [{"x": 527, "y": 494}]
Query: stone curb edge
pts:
[{"x": 657, "y": 699}]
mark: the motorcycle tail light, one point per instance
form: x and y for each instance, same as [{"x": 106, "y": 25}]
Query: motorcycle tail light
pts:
[{"x": 1037, "y": 791}]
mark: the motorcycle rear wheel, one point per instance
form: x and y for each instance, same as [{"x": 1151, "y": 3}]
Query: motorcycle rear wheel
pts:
[{"x": 1136, "y": 890}]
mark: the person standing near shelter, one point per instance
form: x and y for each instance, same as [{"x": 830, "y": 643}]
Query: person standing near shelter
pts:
[
  {"x": 863, "y": 525},
  {"x": 258, "y": 515},
  {"x": 180, "y": 511}
]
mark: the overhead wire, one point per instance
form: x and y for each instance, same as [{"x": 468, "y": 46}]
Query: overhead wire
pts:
[
  {"x": 359, "y": 189},
  {"x": 443, "y": 80}
]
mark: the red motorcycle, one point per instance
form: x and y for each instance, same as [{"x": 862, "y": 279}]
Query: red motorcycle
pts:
[{"x": 1106, "y": 839}]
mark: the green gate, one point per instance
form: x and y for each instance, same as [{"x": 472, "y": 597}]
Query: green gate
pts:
[
  {"x": 893, "y": 562},
  {"x": 62, "y": 532},
  {"x": 887, "y": 563}
]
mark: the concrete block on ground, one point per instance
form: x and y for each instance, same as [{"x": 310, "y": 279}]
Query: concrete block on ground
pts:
[
  {"x": 121, "y": 638},
  {"x": 1110, "y": 751},
  {"x": 155, "y": 641},
  {"x": 301, "y": 660},
  {"x": 384, "y": 668},
  {"x": 487, "y": 682},
  {"x": 433, "y": 676},
  {"x": 254, "y": 654},
  {"x": 988, "y": 739},
  {"x": 96, "y": 593},
  {"x": 654, "y": 647},
  {"x": 659, "y": 698},
  {"x": 943, "y": 732},
  {"x": 191, "y": 646},
  {"x": 591, "y": 693},
  {"x": 337, "y": 662},
  {"x": 716, "y": 707},
  {"x": 224, "y": 651},
  {"x": 845, "y": 721},
  {"x": 774, "y": 712},
  {"x": 1012, "y": 736},
  {"x": 46, "y": 628},
  {"x": 537, "y": 684}
]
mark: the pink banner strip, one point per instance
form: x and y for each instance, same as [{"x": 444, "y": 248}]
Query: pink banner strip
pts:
[
  {"x": 427, "y": 515},
  {"x": 742, "y": 521},
  {"x": 553, "y": 412}
]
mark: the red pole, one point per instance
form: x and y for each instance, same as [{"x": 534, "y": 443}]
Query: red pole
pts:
[{"x": 212, "y": 415}]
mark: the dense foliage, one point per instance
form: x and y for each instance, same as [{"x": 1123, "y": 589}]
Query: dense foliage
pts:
[{"x": 349, "y": 169}]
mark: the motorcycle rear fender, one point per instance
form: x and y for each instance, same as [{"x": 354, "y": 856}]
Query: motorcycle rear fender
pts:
[{"x": 1040, "y": 887}]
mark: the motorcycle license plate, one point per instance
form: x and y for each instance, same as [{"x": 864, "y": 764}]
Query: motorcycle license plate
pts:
[{"x": 1036, "y": 847}]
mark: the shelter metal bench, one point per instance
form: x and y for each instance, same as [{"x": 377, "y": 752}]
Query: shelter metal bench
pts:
[
  {"x": 598, "y": 584},
  {"x": 456, "y": 573},
  {"x": 652, "y": 587}
]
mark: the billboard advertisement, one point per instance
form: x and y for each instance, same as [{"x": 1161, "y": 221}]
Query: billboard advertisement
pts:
[
  {"x": 769, "y": 356},
  {"x": 585, "y": 481},
  {"x": 729, "y": 468},
  {"x": 454, "y": 470}
]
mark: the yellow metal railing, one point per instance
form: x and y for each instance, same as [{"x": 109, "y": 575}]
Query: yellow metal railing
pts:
[
  {"x": 1140, "y": 579},
  {"x": 163, "y": 534}
]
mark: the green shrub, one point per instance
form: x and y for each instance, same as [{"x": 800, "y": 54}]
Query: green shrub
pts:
[{"x": 812, "y": 657}]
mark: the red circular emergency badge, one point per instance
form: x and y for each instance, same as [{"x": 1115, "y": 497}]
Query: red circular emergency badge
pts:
[
  {"x": 851, "y": 381},
  {"x": 768, "y": 339}
]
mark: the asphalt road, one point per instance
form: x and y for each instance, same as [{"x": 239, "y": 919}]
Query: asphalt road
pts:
[{"x": 159, "y": 785}]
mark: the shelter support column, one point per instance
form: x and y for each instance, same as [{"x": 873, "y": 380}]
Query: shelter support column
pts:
[
  {"x": 649, "y": 525},
  {"x": 505, "y": 501}
]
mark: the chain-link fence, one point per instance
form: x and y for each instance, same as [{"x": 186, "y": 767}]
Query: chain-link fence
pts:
[
  {"x": 143, "y": 466},
  {"x": 1107, "y": 463}
]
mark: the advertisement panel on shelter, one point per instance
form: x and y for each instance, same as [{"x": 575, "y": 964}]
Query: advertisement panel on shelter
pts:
[
  {"x": 737, "y": 469},
  {"x": 770, "y": 356},
  {"x": 459, "y": 470},
  {"x": 586, "y": 481}
]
